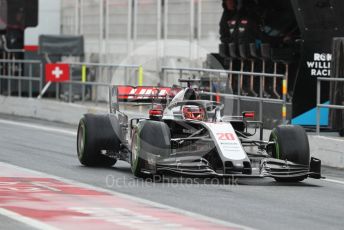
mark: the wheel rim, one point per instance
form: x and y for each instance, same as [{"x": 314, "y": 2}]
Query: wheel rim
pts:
[{"x": 81, "y": 139}]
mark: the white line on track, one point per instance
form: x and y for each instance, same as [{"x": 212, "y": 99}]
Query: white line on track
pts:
[
  {"x": 38, "y": 127},
  {"x": 334, "y": 181},
  {"x": 329, "y": 138},
  {"x": 25, "y": 220}
]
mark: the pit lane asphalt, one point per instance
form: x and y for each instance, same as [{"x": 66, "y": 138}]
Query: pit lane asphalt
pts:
[{"x": 261, "y": 204}]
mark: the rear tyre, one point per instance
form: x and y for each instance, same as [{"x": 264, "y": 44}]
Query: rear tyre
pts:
[
  {"x": 97, "y": 133},
  {"x": 150, "y": 139},
  {"x": 292, "y": 145}
]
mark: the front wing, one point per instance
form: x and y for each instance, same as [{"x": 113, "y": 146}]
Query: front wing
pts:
[{"x": 269, "y": 167}]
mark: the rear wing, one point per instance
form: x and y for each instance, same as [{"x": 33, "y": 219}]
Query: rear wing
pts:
[
  {"x": 140, "y": 95},
  {"x": 145, "y": 93}
]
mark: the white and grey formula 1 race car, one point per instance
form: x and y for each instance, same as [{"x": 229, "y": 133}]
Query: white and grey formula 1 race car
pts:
[{"x": 190, "y": 137}]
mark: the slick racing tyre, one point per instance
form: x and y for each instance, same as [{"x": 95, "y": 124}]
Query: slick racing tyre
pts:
[
  {"x": 97, "y": 133},
  {"x": 291, "y": 143},
  {"x": 151, "y": 139}
]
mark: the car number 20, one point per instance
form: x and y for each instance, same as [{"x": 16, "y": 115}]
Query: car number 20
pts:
[{"x": 225, "y": 136}]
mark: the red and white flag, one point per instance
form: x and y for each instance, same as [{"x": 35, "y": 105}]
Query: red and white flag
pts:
[{"x": 56, "y": 72}]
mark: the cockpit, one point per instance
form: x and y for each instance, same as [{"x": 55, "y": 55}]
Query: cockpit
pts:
[{"x": 187, "y": 106}]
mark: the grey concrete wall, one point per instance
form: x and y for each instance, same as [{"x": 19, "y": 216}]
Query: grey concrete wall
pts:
[{"x": 46, "y": 109}]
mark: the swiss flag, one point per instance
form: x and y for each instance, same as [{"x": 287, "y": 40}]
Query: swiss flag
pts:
[{"x": 56, "y": 72}]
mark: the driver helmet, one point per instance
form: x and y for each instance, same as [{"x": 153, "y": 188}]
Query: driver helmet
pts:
[{"x": 193, "y": 112}]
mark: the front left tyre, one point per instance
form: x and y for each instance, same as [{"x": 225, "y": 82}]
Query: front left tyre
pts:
[
  {"x": 98, "y": 133},
  {"x": 150, "y": 140}
]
